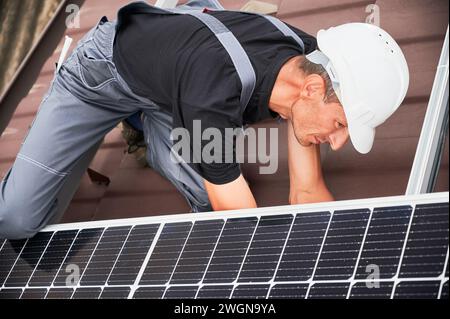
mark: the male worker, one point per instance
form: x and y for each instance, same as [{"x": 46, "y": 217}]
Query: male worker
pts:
[{"x": 175, "y": 70}]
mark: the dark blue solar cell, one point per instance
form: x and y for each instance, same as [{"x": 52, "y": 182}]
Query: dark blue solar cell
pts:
[
  {"x": 115, "y": 293},
  {"x": 78, "y": 256},
  {"x": 166, "y": 253},
  {"x": 87, "y": 293},
  {"x": 181, "y": 292},
  {"x": 372, "y": 290},
  {"x": 132, "y": 255},
  {"x": 446, "y": 270},
  {"x": 329, "y": 291},
  {"x": 230, "y": 250},
  {"x": 28, "y": 259},
  {"x": 384, "y": 241},
  {"x": 342, "y": 244},
  {"x": 444, "y": 292},
  {"x": 10, "y": 293},
  {"x": 60, "y": 293},
  {"x": 289, "y": 291},
  {"x": 417, "y": 290},
  {"x": 149, "y": 293},
  {"x": 215, "y": 292},
  {"x": 52, "y": 259},
  {"x": 105, "y": 256},
  {"x": 8, "y": 255},
  {"x": 250, "y": 292},
  {"x": 427, "y": 244},
  {"x": 197, "y": 252},
  {"x": 265, "y": 249},
  {"x": 35, "y": 293},
  {"x": 303, "y": 246}
]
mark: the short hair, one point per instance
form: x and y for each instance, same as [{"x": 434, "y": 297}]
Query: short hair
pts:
[{"x": 309, "y": 67}]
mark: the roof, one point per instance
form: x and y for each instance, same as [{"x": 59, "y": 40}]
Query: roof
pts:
[{"x": 419, "y": 27}]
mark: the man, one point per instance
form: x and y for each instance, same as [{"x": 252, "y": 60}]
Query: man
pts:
[{"x": 176, "y": 71}]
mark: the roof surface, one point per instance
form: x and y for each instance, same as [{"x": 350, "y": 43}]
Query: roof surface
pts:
[{"x": 419, "y": 27}]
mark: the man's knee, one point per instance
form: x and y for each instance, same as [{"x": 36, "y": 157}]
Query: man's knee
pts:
[{"x": 16, "y": 222}]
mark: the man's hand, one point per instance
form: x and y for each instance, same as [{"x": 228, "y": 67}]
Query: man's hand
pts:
[
  {"x": 233, "y": 195},
  {"x": 305, "y": 172}
]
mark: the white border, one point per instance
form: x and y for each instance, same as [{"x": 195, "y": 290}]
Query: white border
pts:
[
  {"x": 369, "y": 203},
  {"x": 428, "y": 146}
]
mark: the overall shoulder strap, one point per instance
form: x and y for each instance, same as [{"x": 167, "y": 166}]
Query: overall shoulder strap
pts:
[
  {"x": 280, "y": 25},
  {"x": 236, "y": 52},
  {"x": 200, "y": 5}
]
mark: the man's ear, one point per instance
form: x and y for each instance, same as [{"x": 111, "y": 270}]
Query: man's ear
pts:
[{"x": 313, "y": 86}]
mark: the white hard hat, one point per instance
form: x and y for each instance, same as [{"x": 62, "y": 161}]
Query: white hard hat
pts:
[{"x": 369, "y": 74}]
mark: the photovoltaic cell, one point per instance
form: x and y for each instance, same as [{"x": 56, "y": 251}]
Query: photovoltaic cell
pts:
[
  {"x": 265, "y": 250},
  {"x": 197, "y": 252},
  {"x": 417, "y": 290},
  {"x": 342, "y": 245},
  {"x": 215, "y": 292},
  {"x": 133, "y": 254},
  {"x": 427, "y": 244},
  {"x": 250, "y": 292},
  {"x": 87, "y": 293},
  {"x": 289, "y": 291},
  {"x": 53, "y": 257},
  {"x": 328, "y": 291},
  {"x": 230, "y": 250},
  {"x": 444, "y": 292},
  {"x": 78, "y": 256},
  {"x": 10, "y": 293},
  {"x": 115, "y": 293},
  {"x": 181, "y": 292},
  {"x": 34, "y": 293},
  {"x": 104, "y": 257},
  {"x": 8, "y": 255},
  {"x": 166, "y": 253},
  {"x": 24, "y": 266},
  {"x": 303, "y": 246},
  {"x": 384, "y": 241},
  {"x": 149, "y": 292},
  {"x": 60, "y": 293},
  {"x": 372, "y": 290},
  {"x": 446, "y": 269}
]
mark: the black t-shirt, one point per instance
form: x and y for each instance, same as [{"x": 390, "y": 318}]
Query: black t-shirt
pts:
[{"x": 177, "y": 62}]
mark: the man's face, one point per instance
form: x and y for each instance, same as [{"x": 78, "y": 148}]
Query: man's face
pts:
[{"x": 315, "y": 122}]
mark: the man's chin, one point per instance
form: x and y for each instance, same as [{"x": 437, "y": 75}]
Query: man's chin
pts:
[{"x": 304, "y": 143}]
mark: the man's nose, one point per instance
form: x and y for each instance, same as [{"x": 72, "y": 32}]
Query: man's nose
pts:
[{"x": 338, "y": 139}]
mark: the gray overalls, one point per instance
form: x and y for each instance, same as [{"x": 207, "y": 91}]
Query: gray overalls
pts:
[{"x": 87, "y": 98}]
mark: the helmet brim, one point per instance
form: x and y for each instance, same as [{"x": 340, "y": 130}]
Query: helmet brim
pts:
[{"x": 362, "y": 137}]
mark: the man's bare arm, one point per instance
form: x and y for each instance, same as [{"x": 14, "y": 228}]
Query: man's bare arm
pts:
[
  {"x": 305, "y": 172},
  {"x": 233, "y": 195}
]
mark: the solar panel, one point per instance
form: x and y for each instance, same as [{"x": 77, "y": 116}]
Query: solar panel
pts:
[{"x": 393, "y": 247}]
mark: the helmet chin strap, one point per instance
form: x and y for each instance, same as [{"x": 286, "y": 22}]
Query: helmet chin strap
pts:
[{"x": 317, "y": 57}]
